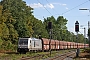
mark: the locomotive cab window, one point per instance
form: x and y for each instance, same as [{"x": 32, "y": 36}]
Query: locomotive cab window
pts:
[{"x": 23, "y": 41}]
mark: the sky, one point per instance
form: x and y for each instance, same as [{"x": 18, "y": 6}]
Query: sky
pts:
[{"x": 67, "y": 8}]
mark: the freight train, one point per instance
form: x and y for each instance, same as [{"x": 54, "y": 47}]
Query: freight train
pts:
[{"x": 43, "y": 44}]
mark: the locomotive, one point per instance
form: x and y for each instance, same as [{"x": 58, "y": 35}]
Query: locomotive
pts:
[
  {"x": 43, "y": 44},
  {"x": 29, "y": 44}
]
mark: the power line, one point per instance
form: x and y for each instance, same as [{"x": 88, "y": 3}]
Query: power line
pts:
[
  {"x": 64, "y": 12},
  {"x": 45, "y": 8},
  {"x": 76, "y": 7},
  {"x": 53, "y": 9}
]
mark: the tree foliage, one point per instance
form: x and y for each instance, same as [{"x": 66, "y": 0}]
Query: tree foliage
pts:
[
  {"x": 17, "y": 20},
  {"x": 58, "y": 26}
]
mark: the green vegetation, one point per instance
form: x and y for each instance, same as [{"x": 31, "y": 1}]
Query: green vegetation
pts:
[
  {"x": 86, "y": 50},
  {"x": 16, "y": 56},
  {"x": 84, "y": 54},
  {"x": 17, "y": 20}
]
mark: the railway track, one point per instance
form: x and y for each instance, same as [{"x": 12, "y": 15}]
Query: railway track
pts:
[
  {"x": 65, "y": 56},
  {"x": 57, "y": 57}
]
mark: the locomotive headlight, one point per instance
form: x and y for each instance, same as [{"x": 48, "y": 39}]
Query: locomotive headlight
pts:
[{"x": 20, "y": 46}]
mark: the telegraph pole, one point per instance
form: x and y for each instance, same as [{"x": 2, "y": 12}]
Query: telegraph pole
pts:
[{"x": 77, "y": 30}]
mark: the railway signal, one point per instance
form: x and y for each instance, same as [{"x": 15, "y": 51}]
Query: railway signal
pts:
[
  {"x": 49, "y": 25},
  {"x": 77, "y": 26},
  {"x": 77, "y": 30}
]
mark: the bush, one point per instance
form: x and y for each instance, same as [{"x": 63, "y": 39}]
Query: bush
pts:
[
  {"x": 1, "y": 41},
  {"x": 87, "y": 50},
  {"x": 7, "y": 45}
]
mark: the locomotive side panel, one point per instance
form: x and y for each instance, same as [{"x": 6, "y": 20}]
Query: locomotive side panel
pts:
[{"x": 35, "y": 44}]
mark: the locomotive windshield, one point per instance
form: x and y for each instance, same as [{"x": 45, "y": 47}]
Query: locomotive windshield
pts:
[{"x": 23, "y": 41}]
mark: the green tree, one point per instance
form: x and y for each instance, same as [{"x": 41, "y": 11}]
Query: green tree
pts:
[
  {"x": 38, "y": 28},
  {"x": 22, "y": 14},
  {"x": 58, "y": 26},
  {"x": 61, "y": 27},
  {"x": 50, "y": 19},
  {"x": 4, "y": 31}
]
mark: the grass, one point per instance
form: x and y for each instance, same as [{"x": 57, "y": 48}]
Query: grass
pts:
[
  {"x": 84, "y": 54},
  {"x": 15, "y": 56},
  {"x": 11, "y": 56}
]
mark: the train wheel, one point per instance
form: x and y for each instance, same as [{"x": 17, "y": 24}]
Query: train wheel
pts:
[{"x": 24, "y": 52}]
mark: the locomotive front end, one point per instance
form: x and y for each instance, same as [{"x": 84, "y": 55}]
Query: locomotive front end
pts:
[{"x": 23, "y": 45}]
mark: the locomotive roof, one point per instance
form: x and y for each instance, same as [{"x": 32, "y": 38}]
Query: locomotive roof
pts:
[{"x": 29, "y": 38}]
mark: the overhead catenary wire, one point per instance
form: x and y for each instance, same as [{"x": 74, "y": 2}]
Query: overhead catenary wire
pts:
[
  {"x": 45, "y": 8},
  {"x": 63, "y": 12},
  {"x": 76, "y": 6},
  {"x": 52, "y": 9}
]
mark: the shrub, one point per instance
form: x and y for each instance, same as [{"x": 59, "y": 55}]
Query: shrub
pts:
[
  {"x": 87, "y": 50},
  {"x": 7, "y": 45}
]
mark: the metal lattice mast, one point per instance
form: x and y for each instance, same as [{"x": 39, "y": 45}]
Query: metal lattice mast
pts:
[{"x": 88, "y": 32}]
